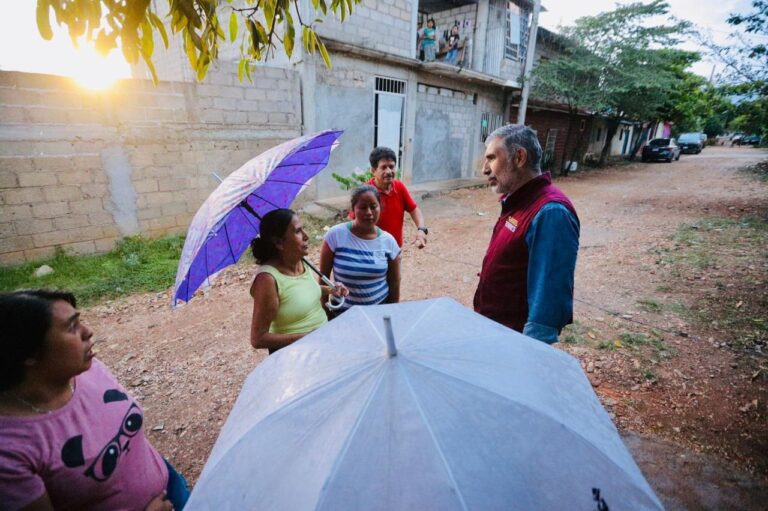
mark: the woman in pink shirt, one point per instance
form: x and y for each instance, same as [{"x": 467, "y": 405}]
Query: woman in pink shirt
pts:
[{"x": 70, "y": 435}]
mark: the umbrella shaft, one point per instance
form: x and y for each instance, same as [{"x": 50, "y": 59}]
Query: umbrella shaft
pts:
[{"x": 325, "y": 279}]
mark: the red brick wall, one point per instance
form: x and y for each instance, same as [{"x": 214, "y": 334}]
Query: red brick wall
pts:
[{"x": 544, "y": 120}]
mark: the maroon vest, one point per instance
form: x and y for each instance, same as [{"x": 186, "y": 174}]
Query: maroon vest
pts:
[{"x": 502, "y": 294}]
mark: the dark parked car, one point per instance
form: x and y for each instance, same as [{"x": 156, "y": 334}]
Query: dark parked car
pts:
[
  {"x": 691, "y": 143},
  {"x": 750, "y": 140},
  {"x": 661, "y": 149}
]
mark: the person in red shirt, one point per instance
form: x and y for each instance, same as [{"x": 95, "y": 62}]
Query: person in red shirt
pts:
[{"x": 395, "y": 198}]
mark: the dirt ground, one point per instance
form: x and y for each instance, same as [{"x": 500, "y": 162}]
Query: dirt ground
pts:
[{"x": 690, "y": 402}]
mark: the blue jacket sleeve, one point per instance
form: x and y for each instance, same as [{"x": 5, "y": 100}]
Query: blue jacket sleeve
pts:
[{"x": 553, "y": 242}]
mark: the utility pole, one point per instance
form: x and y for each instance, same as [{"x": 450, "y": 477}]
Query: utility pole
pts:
[{"x": 529, "y": 62}]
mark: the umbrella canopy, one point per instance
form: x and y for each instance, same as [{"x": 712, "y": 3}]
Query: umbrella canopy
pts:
[
  {"x": 229, "y": 219},
  {"x": 467, "y": 414}
]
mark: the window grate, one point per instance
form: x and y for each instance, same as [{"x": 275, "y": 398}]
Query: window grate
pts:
[{"x": 390, "y": 85}]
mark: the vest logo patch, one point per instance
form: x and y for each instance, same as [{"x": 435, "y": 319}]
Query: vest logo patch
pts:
[{"x": 511, "y": 224}]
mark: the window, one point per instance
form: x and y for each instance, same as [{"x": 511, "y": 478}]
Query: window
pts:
[{"x": 516, "y": 33}]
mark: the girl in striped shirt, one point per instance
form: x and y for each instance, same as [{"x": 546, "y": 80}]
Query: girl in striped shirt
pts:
[{"x": 363, "y": 257}]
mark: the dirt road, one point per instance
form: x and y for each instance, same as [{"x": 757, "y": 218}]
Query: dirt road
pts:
[{"x": 675, "y": 388}]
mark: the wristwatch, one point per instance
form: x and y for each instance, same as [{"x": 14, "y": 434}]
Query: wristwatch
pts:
[{"x": 424, "y": 230}]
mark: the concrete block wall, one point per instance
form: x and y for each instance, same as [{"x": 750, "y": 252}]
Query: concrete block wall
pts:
[
  {"x": 444, "y": 20},
  {"x": 80, "y": 169},
  {"x": 446, "y": 136},
  {"x": 384, "y": 25}
]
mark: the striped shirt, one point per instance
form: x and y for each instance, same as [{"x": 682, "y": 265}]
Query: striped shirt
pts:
[{"x": 361, "y": 265}]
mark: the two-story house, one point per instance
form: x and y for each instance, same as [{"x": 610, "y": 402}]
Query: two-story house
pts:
[{"x": 436, "y": 115}]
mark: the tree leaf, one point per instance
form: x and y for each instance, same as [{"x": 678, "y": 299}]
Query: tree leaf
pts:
[
  {"x": 241, "y": 69},
  {"x": 324, "y": 53},
  {"x": 158, "y": 24},
  {"x": 43, "y": 20},
  {"x": 147, "y": 39},
  {"x": 269, "y": 13},
  {"x": 288, "y": 38},
  {"x": 151, "y": 67},
  {"x": 233, "y": 28}
]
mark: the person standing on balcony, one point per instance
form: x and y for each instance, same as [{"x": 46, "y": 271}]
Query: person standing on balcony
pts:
[
  {"x": 429, "y": 41},
  {"x": 396, "y": 200},
  {"x": 453, "y": 46},
  {"x": 526, "y": 280}
]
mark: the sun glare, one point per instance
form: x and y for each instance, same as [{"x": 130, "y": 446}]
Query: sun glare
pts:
[{"x": 96, "y": 72}]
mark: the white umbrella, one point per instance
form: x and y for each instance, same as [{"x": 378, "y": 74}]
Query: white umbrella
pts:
[{"x": 467, "y": 414}]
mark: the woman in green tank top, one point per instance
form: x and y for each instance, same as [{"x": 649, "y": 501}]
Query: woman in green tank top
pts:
[{"x": 287, "y": 300}]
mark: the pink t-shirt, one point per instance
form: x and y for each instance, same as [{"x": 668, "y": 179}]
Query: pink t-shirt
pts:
[{"x": 89, "y": 454}]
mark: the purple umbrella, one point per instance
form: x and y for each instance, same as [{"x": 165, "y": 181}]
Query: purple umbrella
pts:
[{"x": 229, "y": 219}]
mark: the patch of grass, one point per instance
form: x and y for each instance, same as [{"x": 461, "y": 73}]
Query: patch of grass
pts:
[
  {"x": 649, "y": 305},
  {"x": 664, "y": 288},
  {"x": 633, "y": 339},
  {"x": 574, "y": 334},
  {"x": 649, "y": 375},
  {"x": 135, "y": 265}
]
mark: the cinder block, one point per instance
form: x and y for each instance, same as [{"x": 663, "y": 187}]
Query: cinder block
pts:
[
  {"x": 258, "y": 118},
  {"x": 172, "y": 184},
  {"x": 255, "y": 94},
  {"x": 145, "y": 185},
  {"x": 235, "y": 117},
  {"x": 35, "y": 254},
  {"x": 89, "y": 191},
  {"x": 50, "y": 209},
  {"x": 71, "y": 221},
  {"x": 13, "y": 114},
  {"x": 158, "y": 198},
  {"x": 173, "y": 209},
  {"x": 20, "y": 212},
  {"x": 33, "y": 226},
  {"x": 54, "y": 163},
  {"x": 144, "y": 214},
  {"x": 165, "y": 158},
  {"x": 12, "y": 258},
  {"x": 162, "y": 223},
  {"x": 277, "y": 118},
  {"x": 47, "y": 115},
  {"x": 225, "y": 103},
  {"x": 82, "y": 247},
  {"x": 62, "y": 193},
  {"x": 105, "y": 244},
  {"x": 75, "y": 177},
  {"x": 8, "y": 179},
  {"x": 15, "y": 164},
  {"x": 111, "y": 231},
  {"x": 16, "y": 243},
  {"x": 101, "y": 218},
  {"x": 212, "y": 116},
  {"x": 87, "y": 206},
  {"x": 21, "y": 196},
  {"x": 7, "y": 229}
]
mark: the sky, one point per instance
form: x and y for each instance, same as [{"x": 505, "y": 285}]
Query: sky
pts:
[
  {"x": 22, "y": 48},
  {"x": 710, "y": 15}
]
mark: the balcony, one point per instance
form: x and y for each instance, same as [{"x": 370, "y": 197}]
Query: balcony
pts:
[{"x": 492, "y": 36}]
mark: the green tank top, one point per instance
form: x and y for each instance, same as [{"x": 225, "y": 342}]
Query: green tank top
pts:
[{"x": 300, "y": 310}]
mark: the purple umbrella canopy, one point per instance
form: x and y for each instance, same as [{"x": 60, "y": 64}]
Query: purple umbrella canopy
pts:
[{"x": 229, "y": 219}]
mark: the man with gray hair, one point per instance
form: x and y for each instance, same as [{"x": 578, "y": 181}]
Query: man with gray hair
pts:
[{"x": 526, "y": 281}]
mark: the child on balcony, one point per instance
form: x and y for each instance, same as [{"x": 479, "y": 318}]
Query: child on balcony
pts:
[
  {"x": 453, "y": 46},
  {"x": 428, "y": 41}
]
